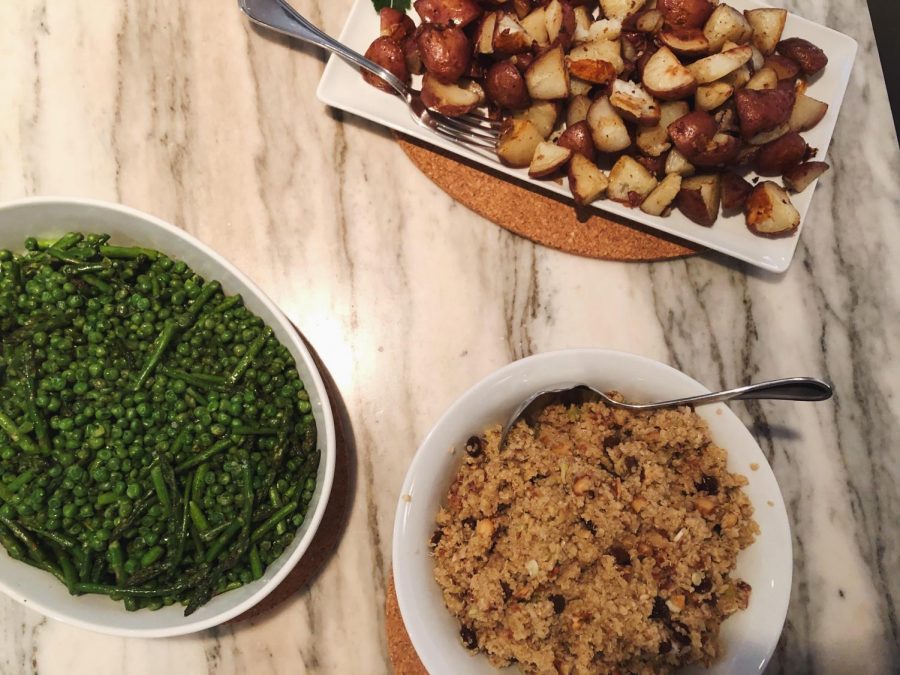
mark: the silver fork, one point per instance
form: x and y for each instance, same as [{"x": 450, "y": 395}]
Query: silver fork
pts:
[
  {"x": 785, "y": 389},
  {"x": 278, "y": 15}
]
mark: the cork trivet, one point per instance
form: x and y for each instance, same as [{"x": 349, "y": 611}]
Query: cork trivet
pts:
[
  {"x": 403, "y": 655},
  {"x": 332, "y": 526},
  {"x": 537, "y": 216}
]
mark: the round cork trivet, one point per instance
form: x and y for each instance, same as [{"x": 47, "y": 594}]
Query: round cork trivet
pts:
[
  {"x": 404, "y": 659},
  {"x": 544, "y": 219},
  {"x": 335, "y": 518}
]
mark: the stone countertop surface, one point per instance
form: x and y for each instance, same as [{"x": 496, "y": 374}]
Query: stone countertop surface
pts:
[{"x": 181, "y": 109}]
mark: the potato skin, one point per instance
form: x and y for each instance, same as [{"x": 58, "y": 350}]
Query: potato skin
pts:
[
  {"x": 577, "y": 138},
  {"x": 692, "y": 133},
  {"x": 445, "y": 52},
  {"x": 810, "y": 58},
  {"x": 778, "y": 156},
  {"x": 735, "y": 191},
  {"x": 785, "y": 68},
  {"x": 655, "y": 165},
  {"x": 505, "y": 86},
  {"x": 458, "y": 13},
  {"x": 764, "y": 109},
  {"x": 691, "y": 203},
  {"x": 685, "y": 13},
  {"x": 395, "y": 24},
  {"x": 387, "y": 54}
]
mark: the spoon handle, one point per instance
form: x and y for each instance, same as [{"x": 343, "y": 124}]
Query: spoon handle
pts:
[{"x": 786, "y": 389}]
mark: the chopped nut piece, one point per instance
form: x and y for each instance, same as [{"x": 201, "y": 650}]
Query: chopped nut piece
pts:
[
  {"x": 705, "y": 505},
  {"x": 754, "y": 467},
  {"x": 485, "y": 527},
  {"x": 532, "y": 568},
  {"x": 729, "y": 520},
  {"x": 679, "y": 535},
  {"x": 675, "y": 603},
  {"x": 696, "y": 578},
  {"x": 582, "y": 485},
  {"x": 637, "y": 504}
]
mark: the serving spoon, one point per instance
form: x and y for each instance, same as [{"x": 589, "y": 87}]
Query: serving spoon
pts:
[{"x": 785, "y": 389}]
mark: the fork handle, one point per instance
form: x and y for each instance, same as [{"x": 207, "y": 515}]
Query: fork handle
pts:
[
  {"x": 786, "y": 389},
  {"x": 279, "y": 16}
]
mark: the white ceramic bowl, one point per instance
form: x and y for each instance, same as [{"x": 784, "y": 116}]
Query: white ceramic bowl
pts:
[
  {"x": 46, "y": 217},
  {"x": 749, "y": 637}
]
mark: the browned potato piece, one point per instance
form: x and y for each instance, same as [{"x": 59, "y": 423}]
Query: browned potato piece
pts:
[
  {"x": 654, "y": 141},
  {"x": 451, "y": 99},
  {"x": 548, "y": 159},
  {"x": 666, "y": 78},
  {"x": 592, "y": 70},
  {"x": 685, "y": 13},
  {"x": 767, "y": 24},
  {"x": 446, "y": 52},
  {"x": 608, "y": 130},
  {"x": 543, "y": 114},
  {"x": 717, "y": 66},
  {"x": 547, "y": 78},
  {"x": 764, "y": 78},
  {"x": 518, "y": 141},
  {"x": 662, "y": 196},
  {"x": 724, "y": 25},
  {"x": 735, "y": 191},
  {"x": 586, "y": 181},
  {"x": 655, "y": 165},
  {"x": 810, "y": 58},
  {"x": 448, "y": 12},
  {"x": 509, "y": 36},
  {"x": 413, "y": 58},
  {"x": 630, "y": 182},
  {"x": 800, "y": 177},
  {"x": 711, "y": 96},
  {"x": 770, "y": 212},
  {"x": 807, "y": 113},
  {"x": 505, "y": 86},
  {"x": 395, "y": 24},
  {"x": 785, "y": 68},
  {"x": 650, "y": 21},
  {"x": 484, "y": 34},
  {"x": 577, "y": 138},
  {"x": 678, "y": 163},
  {"x": 699, "y": 197},
  {"x": 561, "y": 23},
  {"x": 684, "y": 41},
  {"x": 387, "y": 54},
  {"x": 578, "y": 109},
  {"x": 535, "y": 24},
  {"x": 621, "y": 9},
  {"x": 609, "y": 51},
  {"x": 763, "y": 110},
  {"x": 697, "y": 137},
  {"x": 780, "y": 155},
  {"x": 634, "y": 103}
]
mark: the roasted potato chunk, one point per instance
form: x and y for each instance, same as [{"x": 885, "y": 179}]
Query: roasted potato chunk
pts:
[
  {"x": 810, "y": 58},
  {"x": 767, "y": 24},
  {"x": 608, "y": 130},
  {"x": 518, "y": 142},
  {"x": 548, "y": 159},
  {"x": 634, "y": 103},
  {"x": 547, "y": 78},
  {"x": 445, "y": 52},
  {"x": 451, "y": 99},
  {"x": 778, "y": 156},
  {"x": 387, "y": 54},
  {"x": 698, "y": 198},
  {"x": 770, "y": 213},
  {"x": 662, "y": 196},
  {"x": 665, "y": 77},
  {"x": 685, "y": 13},
  {"x": 577, "y": 138},
  {"x": 735, "y": 191},
  {"x": 586, "y": 181},
  {"x": 763, "y": 110},
  {"x": 630, "y": 182},
  {"x": 458, "y": 13},
  {"x": 800, "y": 177},
  {"x": 505, "y": 86}
]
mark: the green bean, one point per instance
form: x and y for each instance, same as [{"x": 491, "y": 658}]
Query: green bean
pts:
[
  {"x": 65, "y": 565},
  {"x": 32, "y": 547},
  {"x": 55, "y": 537},
  {"x": 21, "y": 480},
  {"x": 127, "y": 252},
  {"x": 152, "y": 556},
  {"x": 203, "y": 456},
  {"x": 159, "y": 348},
  {"x": 273, "y": 520},
  {"x": 223, "y": 540},
  {"x": 213, "y": 532},
  {"x": 275, "y": 499},
  {"x": 116, "y": 561},
  {"x": 197, "y": 517},
  {"x": 20, "y": 439},
  {"x": 254, "y": 431},
  {"x": 159, "y": 485},
  {"x": 248, "y": 357},
  {"x": 97, "y": 283},
  {"x": 198, "y": 481},
  {"x": 67, "y": 241},
  {"x": 256, "y": 567}
]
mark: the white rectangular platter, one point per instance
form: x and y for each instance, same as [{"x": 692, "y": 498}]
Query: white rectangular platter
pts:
[{"x": 342, "y": 87}]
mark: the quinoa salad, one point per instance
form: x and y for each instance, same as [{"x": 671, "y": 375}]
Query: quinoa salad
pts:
[{"x": 597, "y": 541}]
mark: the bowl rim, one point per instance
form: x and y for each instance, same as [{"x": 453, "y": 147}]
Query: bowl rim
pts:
[
  {"x": 400, "y": 559},
  {"x": 329, "y": 450}
]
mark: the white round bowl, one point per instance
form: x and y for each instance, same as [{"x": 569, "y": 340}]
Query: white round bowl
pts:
[
  {"x": 748, "y": 637},
  {"x": 47, "y": 217}
]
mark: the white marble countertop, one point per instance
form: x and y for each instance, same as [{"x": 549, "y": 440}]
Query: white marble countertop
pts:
[{"x": 182, "y": 110}]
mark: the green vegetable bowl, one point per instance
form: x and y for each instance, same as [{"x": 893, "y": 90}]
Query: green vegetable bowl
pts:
[{"x": 162, "y": 467}]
